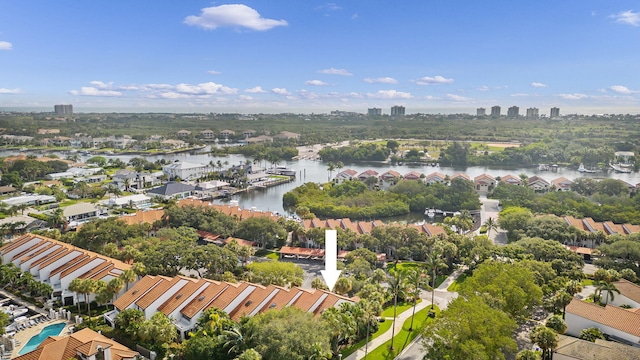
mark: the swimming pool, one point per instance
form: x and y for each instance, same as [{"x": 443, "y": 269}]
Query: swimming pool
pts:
[{"x": 50, "y": 330}]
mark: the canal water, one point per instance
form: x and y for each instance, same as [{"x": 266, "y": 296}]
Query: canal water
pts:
[{"x": 270, "y": 199}]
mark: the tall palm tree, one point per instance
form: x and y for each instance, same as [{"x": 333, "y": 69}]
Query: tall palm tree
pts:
[
  {"x": 490, "y": 224},
  {"x": 330, "y": 168},
  {"x": 546, "y": 338},
  {"x": 128, "y": 276},
  {"x": 434, "y": 263},
  {"x": 396, "y": 281},
  {"x": 416, "y": 279},
  {"x": 76, "y": 286},
  {"x": 610, "y": 288}
]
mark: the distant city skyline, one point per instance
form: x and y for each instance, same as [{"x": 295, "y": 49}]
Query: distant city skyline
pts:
[{"x": 315, "y": 57}]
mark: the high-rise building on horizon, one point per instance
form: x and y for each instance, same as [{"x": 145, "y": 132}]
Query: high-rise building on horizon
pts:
[
  {"x": 532, "y": 112},
  {"x": 495, "y": 110},
  {"x": 397, "y": 110},
  {"x": 513, "y": 111},
  {"x": 63, "y": 109},
  {"x": 374, "y": 111},
  {"x": 555, "y": 112},
  {"x": 481, "y": 112}
]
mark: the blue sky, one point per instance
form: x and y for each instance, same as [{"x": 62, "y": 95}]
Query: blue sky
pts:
[{"x": 313, "y": 56}]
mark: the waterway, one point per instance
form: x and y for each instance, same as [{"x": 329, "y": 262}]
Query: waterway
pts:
[{"x": 270, "y": 199}]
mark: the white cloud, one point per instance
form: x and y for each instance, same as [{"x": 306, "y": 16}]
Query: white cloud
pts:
[
  {"x": 255, "y": 90},
  {"x": 389, "y": 94},
  {"x": 455, "y": 97},
  {"x": 5, "y": 45},
  {"x": 329, "y": 7},
  {"x": 101, "y": 84},
  {"x": 316, "y": 83},
  {"x": 245, "y": 98},
  {"x": 232, "y": 15},
  {"x": 573, "y": 96},
  {"x": 332, "y": 71},
  {"x": 381, "y": 80},
  {"x": 213, "y": 72},
  {"x": 435, "y": 80},
  {"x": 280, "y": 91},
  {"x": 208, "y": 88},
  {"x": 483, "y": 88},
  {"x": 538, "y": 85},
  {"x": 627, "y": 17},
  {"x": 173, "y": 95},
  {"x": 621, "y": 89},
  {"x": 94, "y": 91},
  {"x": 10, "y": 91},
  {"x": 519, "y": 95}
]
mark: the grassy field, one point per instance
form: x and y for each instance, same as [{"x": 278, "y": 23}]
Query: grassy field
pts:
[
  {"x": 382, "y": 328},
  {"x": 404, "y": 337},
  {"x": 269, "y": 254},
  {"x": 455, "y": 286},
  {"x": 388, "y": 312}
]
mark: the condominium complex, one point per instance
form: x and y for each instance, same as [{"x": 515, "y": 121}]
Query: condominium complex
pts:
[
  {"x": 397, "y": 110},
  {"x": 374, "y": 111},
  {"x": 555, "y": 112},
  {"x": 532, "y": 113},
  {"x": 63, "y": 109},
  {"x": 513, "y": 111},
  {"x": 495, "y": 110},
  {"x": 481, "y": 112}
]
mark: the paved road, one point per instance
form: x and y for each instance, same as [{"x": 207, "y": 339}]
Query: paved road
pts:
[
  {"x": 311, "y": 270},
  {"x": 490, "y": 209}
]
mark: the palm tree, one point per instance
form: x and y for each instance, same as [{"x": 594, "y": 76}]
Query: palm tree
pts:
[
  {"x": 330, "y": 168},
  {"x": 76, "y": 287},
  {"x": 433, "y": 262},
  {"x": 396, "y": 282},
  {"x": 561, "y": 299},
  {"x": 490, "y": 224},
  {"x": 234, "y": 339},
  {"x": 128, "y": 276},
  {"x": 546, "y": 338},
  {"x": 416, "y": 279},
  {"x": 573, "y": 287},
  {"x": 610, "y": 288}
]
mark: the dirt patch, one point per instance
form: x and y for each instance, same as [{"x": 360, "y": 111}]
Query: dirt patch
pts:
[{"x": 504, "y": 145}]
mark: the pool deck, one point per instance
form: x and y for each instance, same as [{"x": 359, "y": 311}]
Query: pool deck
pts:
[{"x": 23, "y": 336}]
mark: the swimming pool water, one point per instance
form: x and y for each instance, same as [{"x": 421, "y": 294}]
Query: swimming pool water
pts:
[{"x": 50, "y": 330}]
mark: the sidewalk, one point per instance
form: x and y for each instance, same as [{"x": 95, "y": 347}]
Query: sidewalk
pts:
[{"x": 400, "y": 319}]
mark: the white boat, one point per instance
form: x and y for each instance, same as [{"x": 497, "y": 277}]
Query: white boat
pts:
[
  {"x": 583, "y": 169},
  {"x": 282, "y": 170},
  {"x": 620, "y": 169},
  {"x": 430, "y": 213}
]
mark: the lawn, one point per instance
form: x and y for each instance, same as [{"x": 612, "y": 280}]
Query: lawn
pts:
[
  {"x": 404, "y": 337},
  {"x": 388, "y": 312},
  {"x": 455, "y": 286},
  {"x": 587, "y": 282},
  {"x": 382, "y": 328},
  {"x": 269, "y": 254}
]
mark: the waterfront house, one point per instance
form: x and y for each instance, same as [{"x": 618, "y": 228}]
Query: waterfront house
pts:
[
  {"x": 80, "y": 213},
  {"x": 435, "y": 177},
  {"x": 207, "y": 134},
  {"x": 136, "y": 201},
  {"x": 367, "y": 174},
  {"x": 412, "y": 175},
  {"x": 184, "y": 133},
  {"x": 389, "y": 178},
  {"x": 345, "y": 175},
  {"x": 227, "y": 133},
  {"x": 172, "y": 190},
  {"x": 538, "y": 184},
  {"x": 460, "y": 175},
  {"x": 186, "y": 171},
  {"x": 562, "y": 184},
  {"x": 484, "y": 183},
  {"x": 511, "y": 180}
]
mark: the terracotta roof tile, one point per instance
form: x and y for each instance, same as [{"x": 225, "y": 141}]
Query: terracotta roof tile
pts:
[
  {"x": 628, "y": 289},
  {"x": 180, "y": 296},
  {"x": 611, "y": 316},
  {"x": 137, "y": 291},
  {"x": 203, "y": 299},
  {"x": 153, "y": 294}
]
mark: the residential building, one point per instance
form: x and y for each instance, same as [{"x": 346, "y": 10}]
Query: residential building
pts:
[
  {"x": 184, "y": 299},
  {"x": 390, "y": 175},
  {"x": 570, "y": 348},
  {"x": 435, "y": 177},
  {"x": 184, "y": 133},
  {"x": 532, "y": 113},
  {"x": 85, "y": 344},
  {"x": 227, "y": 133},
  {"x": 629, "y": 294},
  {"x": 287, "y": 135},
  {"x": 495, "y": 111},
  {"x": 397, "y": 110},
  {"x": 344, "y": 175},
  {"x": 562, "y": 184},
  {"x": 412, "y": 175},
  {"x": 23, "y": 223},
  {"x": 80, "y": 213},
  {"x": 248, "y": 133},
  {"x": 367, "y": 174},
  {"x": 511, "y": 180},
  {"x": 29, "y": 200},
  {"x": 207, "y": 134},
  {"x": 615, "y": 322},
  {"x": 513, "y": 111},
  {"x": 555, "y": 112},
  {"x": 374, "y": 111},
  {"x": 186, "y": 171},
  {"x": 63, "y": 109},
  {"x": 172, "y": 190},
  {"x": 172, "y": 144},
  {"x": 538, "y": 184},
  {"x": 460, "y": 175},
  {"x": 484, "y": 183},
  {"x": 148, "y": 216},
  {"x": 234, "y": 211},
  {"x": 137, "y": 201},
  {"x": 57, "y": 264},
  {"x": 481, "y": 112}
]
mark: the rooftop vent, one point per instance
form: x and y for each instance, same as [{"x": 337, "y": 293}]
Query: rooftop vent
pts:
[
  {"x": 248, "y": 303},
  {"x": 272, "y": 305},
  {"x": 201, "y": 298},
  {"x": 135, "y": 292},
  {"x": 178, "y": 296}
]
